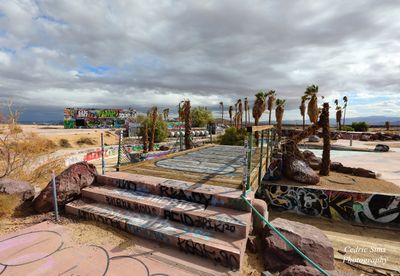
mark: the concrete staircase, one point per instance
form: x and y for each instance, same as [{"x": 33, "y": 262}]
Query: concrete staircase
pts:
[{"x": 206, "y": 221}]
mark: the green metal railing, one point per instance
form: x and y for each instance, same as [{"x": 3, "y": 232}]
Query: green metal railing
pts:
[
  {"x": 324, "y": 272},
  {"x": 267, "y": 135}
]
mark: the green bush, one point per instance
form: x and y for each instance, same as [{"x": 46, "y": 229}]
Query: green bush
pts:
[
  {"x": 347, "y": 128},
  {"x": 161, "y": 129},
  {"x": 201, "y": 116},
  {"x": 233, "y": 137},
  {"x": 360, "y": 126}
]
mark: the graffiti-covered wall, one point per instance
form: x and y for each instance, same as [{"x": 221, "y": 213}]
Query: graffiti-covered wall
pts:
[
  {"x": 362, "y": 208},
  {"x": 96, "y": 118}
]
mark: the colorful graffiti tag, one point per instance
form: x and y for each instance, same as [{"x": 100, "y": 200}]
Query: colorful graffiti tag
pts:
[
  {"x": 96, "y": 118},
  {"x": 355, "y": 207}
]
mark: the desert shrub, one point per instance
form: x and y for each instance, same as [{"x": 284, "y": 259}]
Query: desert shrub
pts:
[
  {"x": 64, "y": 143},
  {"x": 233, "y": 137},
  {"x": 347, "y": 128},
  {"x": 85, "y": 141},
  {"x": 8, "y": 203},
  {"x": 161, "y": 129},
  {"x": 201, "y": 116},
  {"x": 360, "y": 126}
]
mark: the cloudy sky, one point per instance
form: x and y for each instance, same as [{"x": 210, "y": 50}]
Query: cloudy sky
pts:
[{"x": 121, "y": 53}]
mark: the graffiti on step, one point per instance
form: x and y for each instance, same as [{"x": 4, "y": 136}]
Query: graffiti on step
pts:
[
  {"x": 24, "y": 253},
  {"x": 204, "y": 223},
  {"x": 221, "y": 257},
  {"x": 181, "y": 194},
  {"x": 356, "y": 207},
  {"x": 133, "y": 206},
  {"x": 118, "y": 221},
  {"x": 125, "y": 184}
]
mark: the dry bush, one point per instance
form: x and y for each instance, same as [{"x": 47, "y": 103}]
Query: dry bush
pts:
[
  {"x": 8, "y": 204},
  {"x": 64, "y": 143},
  {"x": 86, "y": 141}
]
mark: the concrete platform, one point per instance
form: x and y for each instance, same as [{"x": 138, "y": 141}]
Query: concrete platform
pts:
[
  {"x": 219, "y": 248},
  {"x": 216, "y": 219},
  {"x": 208, "y": 195},
  {"x": 211, "y": 164}
]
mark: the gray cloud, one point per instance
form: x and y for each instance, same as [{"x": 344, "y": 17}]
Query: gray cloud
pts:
[{"x": 141, "y": 53}]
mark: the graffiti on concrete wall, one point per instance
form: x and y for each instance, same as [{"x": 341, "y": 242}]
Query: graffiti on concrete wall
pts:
[
  {"x": 109, "y": 152},
  {"x": 96, "y": 118},
  {"x": 339, "y": 205}
]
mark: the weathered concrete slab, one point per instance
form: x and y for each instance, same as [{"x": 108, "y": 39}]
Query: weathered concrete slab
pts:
[
  {"x": 211, "y": 164},
  {"x": 48, "y": 249},
  {"x": 219, "y": 248},
  {"x": 218, "y": 219},
  {"x": 208, "y": 195}
]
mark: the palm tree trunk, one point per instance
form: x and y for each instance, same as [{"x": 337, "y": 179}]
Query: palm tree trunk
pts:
[
  {"x": 269, "y": 120},
  {"x": 344, "y": 117},
  {"x": 145, "y": 138},
  {"x": 222, "y": 115},
  {"x": 304, "y": 122},
  {"x": 153, "y": 128},
  {"x": 326, "y": 158},
  {"x": 188, "y": 125},
  {"x": 256, "y": 134}
]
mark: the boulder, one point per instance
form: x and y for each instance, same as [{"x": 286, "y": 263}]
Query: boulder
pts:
[
  {"x": 298, "y": 170},
  {"x": 68, "y": 184},
  {"x": 364, "y": 173},
  {"x": 14, "y": 187},
  {"x": 258, "y": 223},
  {"x": 279, "y": 256},
  {"x": 336, "y": 165},
  {"x": 344, "y": 169},
  {"x": 313, "y": 161},
  {"x": 381, "y": 148},
  {"x": 365, "y": 137},
  {"x": 313, "y": 138},
  {"x": 163, "y": 148},
  {"x": 300, "y": 270},
  {"x": 335, "y": 136}
]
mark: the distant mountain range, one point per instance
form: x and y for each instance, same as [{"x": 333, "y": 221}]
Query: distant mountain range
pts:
[{"x": 371, "y": 120}]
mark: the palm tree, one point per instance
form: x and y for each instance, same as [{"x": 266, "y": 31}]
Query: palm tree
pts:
[
  {"x": 338, "y": 115},
  {"x": 271, "y": 100},
  {"x": 259, "y": 108},
  {"x": 235, "y": 117},
  {"x": 324, "y": 123},
  {"x": 221, "y": 104},
  {"x": 302, "y": 108},
  {"x": 165, "y": 114},
  {"x": 230, "y": 113},
  {"x": 312, "y": 108},
  {"x": 345, "y": 100},
  {"x": 145, "y": 136},
  {"x": 246, "y": 110},
  {"x": 280, "y": 108},
  {"x": 188, "y": 124},
  {"x": 153, "y": 116},
  {"x": 240, "y": 118},
  {"x": 180, "y": 111}
]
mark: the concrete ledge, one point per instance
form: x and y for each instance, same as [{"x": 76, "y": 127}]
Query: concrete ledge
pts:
[
  {"x": 208, "y": 195},
  {"x": 228, "y": 221},
  {"x": 219, "y": 248}
]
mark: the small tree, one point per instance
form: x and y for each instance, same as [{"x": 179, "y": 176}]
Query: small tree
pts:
[
  {"x": 360, "y": 126},
  {"x": 201, "y": 116}
]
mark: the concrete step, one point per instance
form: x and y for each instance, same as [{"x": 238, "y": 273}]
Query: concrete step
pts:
[
  {"x": 217, "y": 247},
  {"x": 218, "y": 219},
  {"x": 208, "y": 195}
]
